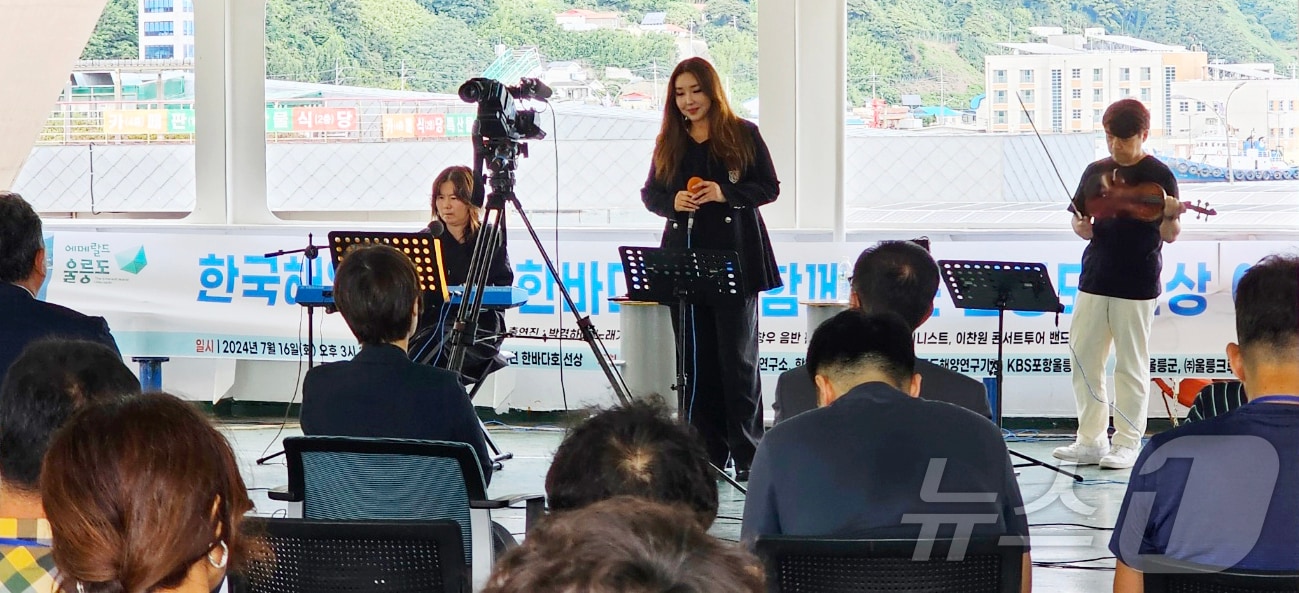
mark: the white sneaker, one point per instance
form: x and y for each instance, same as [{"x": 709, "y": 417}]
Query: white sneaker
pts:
[
  {"x": 1082, "y": 454},
  {"x": 1120, "y": 457}
]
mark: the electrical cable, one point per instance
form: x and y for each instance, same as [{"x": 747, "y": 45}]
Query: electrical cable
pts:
[
  {"x": 554, "y": 140},
  {"x": 297, "y": 383}
]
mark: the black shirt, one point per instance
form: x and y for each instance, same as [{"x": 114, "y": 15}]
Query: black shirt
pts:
[
  {"x": 859, "y": 465},
  {"x": 1124, "y": 258}
]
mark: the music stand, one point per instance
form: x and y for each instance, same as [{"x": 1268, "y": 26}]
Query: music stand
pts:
[
  {"x": 1001, "y": 287},
  {"x": 679, "y": 278},
  {"x": 422, "y": 248}
]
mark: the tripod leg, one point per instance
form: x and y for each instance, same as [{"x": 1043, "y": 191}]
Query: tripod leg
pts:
[
  {"x": 583, "y": 322},
  {"x": 1032, "y": 462},
  {"x": 497, "y": 456}
]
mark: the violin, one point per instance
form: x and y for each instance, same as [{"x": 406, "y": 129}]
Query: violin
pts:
[{"x": 1106, "y": 195}]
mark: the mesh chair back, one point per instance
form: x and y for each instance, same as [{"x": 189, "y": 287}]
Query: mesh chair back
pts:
[
  {"x": 350, "y": 479},
  {"x": 816, "y": 565},
  {"x": 325, "y": 556},
  {"x": 1163, "y": 575}
]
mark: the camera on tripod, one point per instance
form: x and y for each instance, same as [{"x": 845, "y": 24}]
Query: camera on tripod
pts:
[{"x": 498, "y": 118}]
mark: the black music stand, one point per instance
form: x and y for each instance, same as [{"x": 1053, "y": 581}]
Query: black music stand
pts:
[
  {"x": 1001, "y": 287},
  {"x": 680, "y": 278},
  {"x": 422, "y": 248}
]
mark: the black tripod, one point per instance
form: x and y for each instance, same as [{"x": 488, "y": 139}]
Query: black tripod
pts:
[
  {"x": 1003, "y": 286},
  {"x": 501, "y": 158},
  {"x": 681, "y": 277}
]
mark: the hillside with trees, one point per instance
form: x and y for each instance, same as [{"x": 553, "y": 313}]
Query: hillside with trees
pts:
[{"x": 934, "y": 48}]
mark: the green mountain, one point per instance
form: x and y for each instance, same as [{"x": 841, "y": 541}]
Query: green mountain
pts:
[{"x": 934, "y": 48}]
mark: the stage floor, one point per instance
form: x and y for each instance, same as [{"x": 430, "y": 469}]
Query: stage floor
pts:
[{"x": 1049, "y": 497}]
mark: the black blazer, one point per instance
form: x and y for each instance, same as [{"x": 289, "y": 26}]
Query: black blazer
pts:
[
  {"x": 24, "y": 320},
  {"x": 381, "y": 393},
  {"x": 796, "y": 391},
  {"x": 734, "y": 226}
]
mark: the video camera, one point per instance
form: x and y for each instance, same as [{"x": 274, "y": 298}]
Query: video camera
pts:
[{"x": 498, "y": 119}]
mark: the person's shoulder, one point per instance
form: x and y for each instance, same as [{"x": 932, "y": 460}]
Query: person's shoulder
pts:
[
  {"x": 434, "y": 376},
  {"x": 798, "y": 373}
]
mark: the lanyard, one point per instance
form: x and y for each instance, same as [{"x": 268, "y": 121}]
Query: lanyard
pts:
[{"x": 1273, "y": 399}]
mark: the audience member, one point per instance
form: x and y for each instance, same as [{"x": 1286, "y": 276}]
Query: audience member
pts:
[
  {"x": 381, "y": 392},
  {"x": 1224, "y": 491},
  {"x": 143, "y": 494},
  {"x": 876, "y": 460},
  {"x": 899, "y": 277},
  {"x": 51, "y": 380},
  {"x": 625, "y": 545},
  {"x": 23, "y": 318},
  {"x": 636, "y": 450}
]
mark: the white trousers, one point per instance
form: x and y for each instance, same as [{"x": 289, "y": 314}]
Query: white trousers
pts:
[{"x": 1100, "y": 322}]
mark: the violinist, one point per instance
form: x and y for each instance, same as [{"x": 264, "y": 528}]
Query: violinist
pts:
[{"x": 1118, "y": 287}]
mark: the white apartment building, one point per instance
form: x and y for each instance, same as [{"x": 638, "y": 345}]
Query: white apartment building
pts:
[
  {"x": 1065, "y": 82},
  {"x": 166, "y": 29}
]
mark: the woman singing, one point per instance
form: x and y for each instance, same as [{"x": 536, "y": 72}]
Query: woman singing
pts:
[
  {"x": 710, "y": 174},
  {"x": 458, "y": 229}
]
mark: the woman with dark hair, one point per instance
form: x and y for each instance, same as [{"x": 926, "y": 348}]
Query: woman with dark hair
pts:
[
  {"x": 455, "y": 221},
  {"x": 144, "y": 495},
  {"x": 710, "y": 174},
  {"x": 625, "y": 545}
]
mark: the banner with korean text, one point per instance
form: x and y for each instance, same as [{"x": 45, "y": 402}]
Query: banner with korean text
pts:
[{"x": 212, "y": 293}]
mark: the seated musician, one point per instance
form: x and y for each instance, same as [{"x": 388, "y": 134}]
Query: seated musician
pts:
[
  {"x": 380, "y": 392},
  {"x": 459, "y": 217}
]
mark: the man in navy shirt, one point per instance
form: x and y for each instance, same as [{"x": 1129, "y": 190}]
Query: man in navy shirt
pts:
[
  {"x": 876, "y": 460},
  {"x": 1224, "y": 492}
]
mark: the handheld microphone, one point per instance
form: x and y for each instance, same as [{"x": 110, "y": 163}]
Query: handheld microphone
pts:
[{"x": 691, "y": 184}]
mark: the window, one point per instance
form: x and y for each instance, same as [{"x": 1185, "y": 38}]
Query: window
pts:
[
  {"x": 1145, "y": 73},
  {"x": 998, "y": 96},
  {"x": 189, "y": 50},
  {"x": 1184, "y": 106},
  {"x": 158, "y": 5},
  {"x": 998, "y": 76},
  {"x": 189, "y": 28},
  {"x": 187, "y": 5},
  {"x": 1077, "y": 93},
  {"x": 159, "y": 52},
  {"x": 1077, "y": 114},
  {"x": 1027, "y": 95},
  {"x": 158, "y": 29},
  {"x": 1145, "y": 94},
  {"x": 1098, "y": 95},
  {"x": 1098, "y": 75},
  {"x": 1000, "y": 117},
  {"x": 1125, "y": 74},
  {"x": 1125, "y": 92},
  {"x": 1096, "y": 115},
  {"x": 1057, "y": 100},
  {"x": 1199, "y": 105},
  {"x": 1026, "y": 76},
  {"x": 1076, "y": 74}
]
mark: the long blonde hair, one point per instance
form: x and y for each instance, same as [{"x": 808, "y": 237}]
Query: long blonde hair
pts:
[
  {"x": 462, "y": 179},
  {"x": 730, "y": 144}
]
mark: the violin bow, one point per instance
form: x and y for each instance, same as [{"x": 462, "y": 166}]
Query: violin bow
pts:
[{"x": 1046, "y": 150}]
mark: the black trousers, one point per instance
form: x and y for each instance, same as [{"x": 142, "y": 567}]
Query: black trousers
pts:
[{"x": 723, "y": 400}]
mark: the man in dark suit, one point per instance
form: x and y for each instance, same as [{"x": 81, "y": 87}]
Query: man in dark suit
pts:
[
  {"x": 899, "y": 277},
  {"x": 23, "y": 318},
  {"x": 381, "y": 392}
]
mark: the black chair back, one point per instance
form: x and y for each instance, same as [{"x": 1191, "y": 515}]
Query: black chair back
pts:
[
  {"x": 1164, "y": 575},
  {"x": 307, "y": 556},
  {"x": 822, "y": 565}
]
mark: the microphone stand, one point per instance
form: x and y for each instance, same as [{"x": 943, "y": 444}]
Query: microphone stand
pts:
[{"x": 311, "y": 252}]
